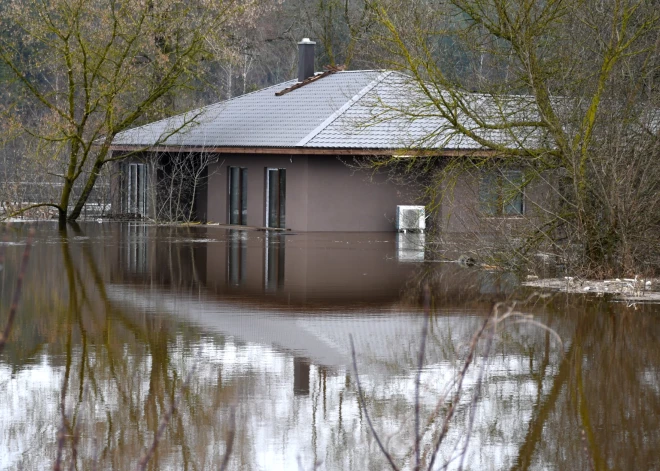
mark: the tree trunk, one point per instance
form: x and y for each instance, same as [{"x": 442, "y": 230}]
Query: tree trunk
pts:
[
  {"x": 89, "y": 185},
  {"x": 61, "y": 218}
]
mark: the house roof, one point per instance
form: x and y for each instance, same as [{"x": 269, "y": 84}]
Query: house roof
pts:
[{"x": 365, "y": 109}]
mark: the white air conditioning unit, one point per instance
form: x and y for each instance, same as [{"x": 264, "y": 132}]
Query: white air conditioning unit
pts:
[{"x": 410, "y": 218}]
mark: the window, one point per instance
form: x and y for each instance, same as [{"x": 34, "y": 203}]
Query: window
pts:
[
  {"x": 237, "y": 186},
  {"x": 275, "y": 197},
  {"x": 136, "y": 189},
  {"x": 500, "y": 193}
]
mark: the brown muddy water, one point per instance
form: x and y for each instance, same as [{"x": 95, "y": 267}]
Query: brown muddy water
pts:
[{"x": 114, "y": 317}]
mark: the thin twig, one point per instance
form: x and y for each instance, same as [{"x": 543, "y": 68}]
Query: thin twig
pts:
[
  {"x": 17, "y": 291},
  {"x": 541, "y": 325},
  {"x": 585, "y": 449},
  {"x": 459, "y": 385},
  {"x": 142, "y": 464},
  {"x": 366, "y": 412},
  {"x": 3, "y": 247},
  {"x": 74, "y": 447},
  {"x": 476, "y": 395},
  {"x": 95, "y": 459},
  {"x": 420, "y": 365}
]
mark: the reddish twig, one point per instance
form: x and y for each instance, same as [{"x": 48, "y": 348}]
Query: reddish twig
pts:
[
  {"x": 61, "y": 440},
  {"x": 95, "y": 460},
  {"x": 74, "y": 447},
  {"x": 585, "y": 449},
  {"x": 459, "y": 385},
  {"x": 3, "y": 247},
  {"x": 476, "y": 395}
]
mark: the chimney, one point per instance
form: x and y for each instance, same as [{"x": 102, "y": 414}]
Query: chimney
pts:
[{"x": 305, "y": 59}]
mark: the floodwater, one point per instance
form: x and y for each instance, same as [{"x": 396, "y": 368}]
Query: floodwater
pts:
[{"x": 115, "y": 318}]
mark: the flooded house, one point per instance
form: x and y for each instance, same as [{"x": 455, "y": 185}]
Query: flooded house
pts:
[{"x": 297, "y": 156}]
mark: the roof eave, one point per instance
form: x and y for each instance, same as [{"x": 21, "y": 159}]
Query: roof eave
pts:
[{"x": 309, "y": 150}]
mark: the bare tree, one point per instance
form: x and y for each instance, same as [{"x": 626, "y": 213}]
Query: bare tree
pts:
[
  {"x": 86, "y": 70},
  {"x": 572, "y": 98}
]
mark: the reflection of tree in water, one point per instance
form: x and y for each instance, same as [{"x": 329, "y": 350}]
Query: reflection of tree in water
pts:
[
  {"x": 117, "y": 377},
  {"x": 604, "y": 396},
  {"x": 453, "y": 284},
  {"x": 594, "y": 407},
  {"x": 122, "y": 368}
]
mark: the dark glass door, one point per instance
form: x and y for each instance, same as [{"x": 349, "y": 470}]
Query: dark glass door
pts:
[
  {"x": 275, "y": 197},
  {"x": 137, "y": 189},
  {"x": 237, "y": 195}
]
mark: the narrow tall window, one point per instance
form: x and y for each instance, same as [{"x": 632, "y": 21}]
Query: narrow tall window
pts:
[
  {"x": 136, "y": 195},
  {"x": 237, "y": 186},
  {"x": 275, "y": 197},
  {"x": 501, "y": 194}
]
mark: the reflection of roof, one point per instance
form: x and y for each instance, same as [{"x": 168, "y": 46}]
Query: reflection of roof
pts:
[
  {"x": 364, "y": 109},
  {"x": 380, "y": 338}
]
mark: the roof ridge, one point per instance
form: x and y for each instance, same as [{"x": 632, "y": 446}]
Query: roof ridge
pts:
[
  {"x": 370, "y": 86},
  {"x": 357, "y": 71}
]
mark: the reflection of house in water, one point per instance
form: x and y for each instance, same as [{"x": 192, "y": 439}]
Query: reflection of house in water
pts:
[
  {"x": 288, "y": 269},
  {"x": 301, "y": 372},
  {"x": 136, "y": 248},
  {"x": 274, "y": 244},
  {"x": 285, "y": 268},
  {"x": 274, "y": 261},
  {"x": 410, "y": 246},
  {"x": 237, "y": 258},
  {"x": 267, "y": 288},
  {"x": 161, "y": 255}
]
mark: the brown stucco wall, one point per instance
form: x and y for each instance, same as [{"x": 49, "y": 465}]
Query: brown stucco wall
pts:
[
  {"x": 326, "y": 194},
  {"x": 322, "y": 193},
  {"x": 460, "y": 209},
  {"x": 296, "y": 188},
  {"x": 343, "y": 198}
]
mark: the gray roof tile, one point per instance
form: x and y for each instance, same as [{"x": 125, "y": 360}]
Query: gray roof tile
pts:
[
  {"x": 256, "y": 119},
  {"x": 349, "y": 110}
]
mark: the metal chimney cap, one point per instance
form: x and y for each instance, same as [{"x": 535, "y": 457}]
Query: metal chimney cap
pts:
[{"x": 306, "y": 41}]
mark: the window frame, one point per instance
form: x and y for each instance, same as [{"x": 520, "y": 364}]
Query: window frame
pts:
[{"x": 494, "y": 184}]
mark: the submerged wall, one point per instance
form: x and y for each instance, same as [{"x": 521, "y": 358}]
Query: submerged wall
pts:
[{"x": 325, "y": 193}]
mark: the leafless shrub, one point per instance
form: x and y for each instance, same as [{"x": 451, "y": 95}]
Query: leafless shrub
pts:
[
  {"x": 179, "y": 179},
  {"x": 425, "y": 456}
]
